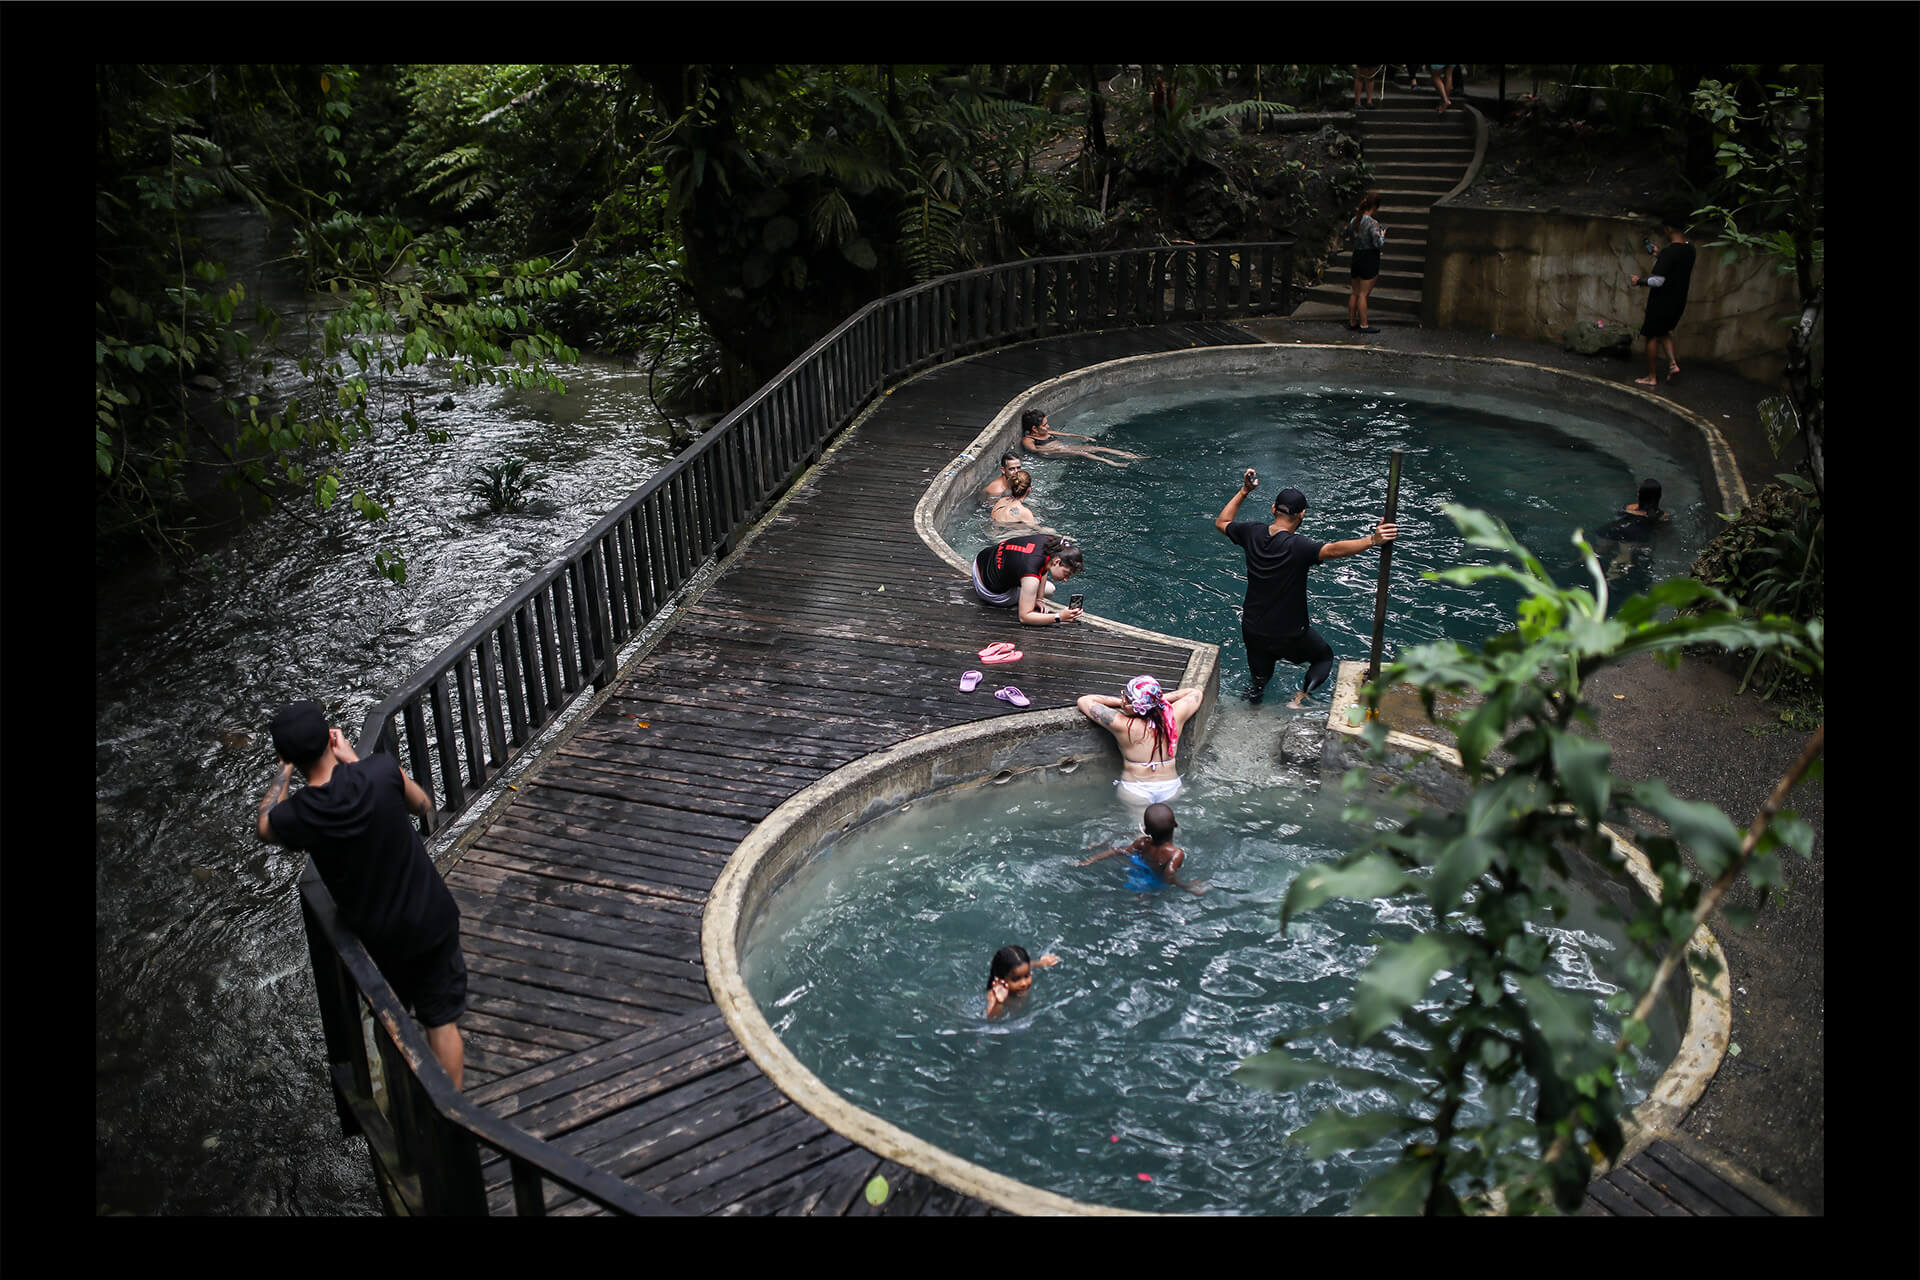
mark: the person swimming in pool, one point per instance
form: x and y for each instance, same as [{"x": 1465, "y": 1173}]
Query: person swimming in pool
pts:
[
  {"x": 1011, "y": 976},
  {"x": 1155, "y": 859},
  {"x": 1038, "y": 436},
  {"x": 1009, "y": 463},
  {"x": 1633, "y": 528},
  {"x": 1013, "y": 508},
  {"x": 1146, "y": 723}
]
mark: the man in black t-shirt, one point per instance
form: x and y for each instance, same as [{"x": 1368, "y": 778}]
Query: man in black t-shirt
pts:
[
  {"x": 1666, "y": 299},
  {"x": 352, "y": 817},
  {"x": 1273, "y": 621}
]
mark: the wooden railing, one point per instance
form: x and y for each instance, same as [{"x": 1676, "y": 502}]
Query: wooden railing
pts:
[
  {"x": 464, "y": 717},
  {"x": 424, "y": 1137},
  {"x": 478, "y": 707}
]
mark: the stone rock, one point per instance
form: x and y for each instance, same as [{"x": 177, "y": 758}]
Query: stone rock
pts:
[
  {"x": 446, "y": 402},
  {"x": 1301, "y": 741},
  {"x": 1597, "y": 337}
]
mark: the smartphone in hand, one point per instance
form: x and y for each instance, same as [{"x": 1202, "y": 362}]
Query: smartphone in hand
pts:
[{"x": 1073, "y": 601}]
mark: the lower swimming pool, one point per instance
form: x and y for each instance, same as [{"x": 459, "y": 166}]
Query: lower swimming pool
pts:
[{"x": 871, "y": 966}]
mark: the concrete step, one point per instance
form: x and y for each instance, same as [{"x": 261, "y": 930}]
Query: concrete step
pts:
[
  {"x": 1405, "y": 227},
  {"x": 1416, "y": 132},
  {"x": 1459, "y": 157},
  {"x": 1390, "y": 278},
  {"x": 1402, "y": 302},
  {"x": 1435, "y": 185},
  {"x": 1422, "y": 166}
]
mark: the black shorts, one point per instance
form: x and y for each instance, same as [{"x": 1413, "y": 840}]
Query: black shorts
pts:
[
  {"x": 433, "y": 983},
  {"x": 1366, "y": 264}
]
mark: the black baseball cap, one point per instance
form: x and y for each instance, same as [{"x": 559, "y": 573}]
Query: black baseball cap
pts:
[
  {"x": 1291, "y": 501},
  {"x": 300, "y": 732}
]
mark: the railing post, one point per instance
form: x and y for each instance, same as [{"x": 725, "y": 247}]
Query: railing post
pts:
[
  {"x": 339, "y": 1008},
  {"x": 599, "y": 618}
]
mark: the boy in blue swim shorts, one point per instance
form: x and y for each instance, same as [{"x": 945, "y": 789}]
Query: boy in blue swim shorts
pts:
[{"x": 1155, "y": 860}]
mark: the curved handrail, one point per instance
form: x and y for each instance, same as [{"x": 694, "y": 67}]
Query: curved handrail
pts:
[
  {"x": 477, "y": 708},
  {"x": 472, "y": 710}
]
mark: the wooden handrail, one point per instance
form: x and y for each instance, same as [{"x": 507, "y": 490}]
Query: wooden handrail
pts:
[
  {"x": 427, "y": 1140},
  {"x": 475, "y": 710}
]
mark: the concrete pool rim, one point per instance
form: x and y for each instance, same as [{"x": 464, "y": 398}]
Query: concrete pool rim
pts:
[
  {"x": 982, "y": 753},
  {"x": 987, "y": 751},
  {"x": 967, "y": 472}
]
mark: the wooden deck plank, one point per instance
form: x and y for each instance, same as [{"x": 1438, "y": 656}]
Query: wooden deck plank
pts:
[
  {"x": 1705, "y": 1182},
  {"x": 589, "y": 1020}
]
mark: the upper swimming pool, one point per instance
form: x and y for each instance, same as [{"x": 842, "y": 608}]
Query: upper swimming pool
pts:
[{"x": 1154, "y": 559}]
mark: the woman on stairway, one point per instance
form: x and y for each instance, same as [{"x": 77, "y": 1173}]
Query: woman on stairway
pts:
[{"x": 1367, "y": 236}]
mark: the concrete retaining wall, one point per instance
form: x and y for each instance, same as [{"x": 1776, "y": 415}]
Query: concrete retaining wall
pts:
[
  {"x": 1530, "y": 274},
  {"x": 1512, "y": 387}
]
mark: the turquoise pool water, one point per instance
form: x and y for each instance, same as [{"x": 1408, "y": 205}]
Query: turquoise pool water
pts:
[
  {"x": 872, "y": 964},
  {"x": 1155, "y": 560}
]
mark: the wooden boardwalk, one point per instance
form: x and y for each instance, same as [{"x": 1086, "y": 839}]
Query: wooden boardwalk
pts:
[{"x": 589, "y": 1023}]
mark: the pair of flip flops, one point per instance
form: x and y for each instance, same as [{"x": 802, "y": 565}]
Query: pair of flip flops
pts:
[
  {"x": 1000, "y": 651},
  {"x": 971, "y": 681}
]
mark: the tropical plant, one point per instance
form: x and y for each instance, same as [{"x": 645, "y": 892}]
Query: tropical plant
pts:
[
  {"x": 503, "y": 484},
  {"x": 167, "y": 321},
  {"x": 1774, "y": 173},
  {"x": 1467, "y": 1005},
  {"x": 1771, "y": 558}
]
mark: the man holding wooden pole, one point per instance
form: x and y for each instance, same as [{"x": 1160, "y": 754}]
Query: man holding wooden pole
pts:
[{"x": 1274, "y": 619}]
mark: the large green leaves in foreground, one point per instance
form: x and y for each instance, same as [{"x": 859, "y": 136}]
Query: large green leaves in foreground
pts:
[{"x": 1468, "y": 1006}]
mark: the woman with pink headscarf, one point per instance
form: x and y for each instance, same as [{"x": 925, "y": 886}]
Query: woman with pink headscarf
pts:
[{"x": 1146, "y": 722}]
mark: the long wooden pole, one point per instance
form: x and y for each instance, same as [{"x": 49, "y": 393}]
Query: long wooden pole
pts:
[{"x": 1386, "y": 563}]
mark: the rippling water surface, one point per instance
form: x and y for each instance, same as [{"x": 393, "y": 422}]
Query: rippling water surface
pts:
[
  {"x": 1155, "y": 560},
  {"x": 872, "y": 966},
  {"x": 209, "y": 1092}
]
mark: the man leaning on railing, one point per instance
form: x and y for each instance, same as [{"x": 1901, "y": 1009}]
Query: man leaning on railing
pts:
[{"x": 351, "y": 817}]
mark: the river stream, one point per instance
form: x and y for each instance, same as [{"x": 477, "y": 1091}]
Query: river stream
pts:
[{"x": 209, "y": 1090}]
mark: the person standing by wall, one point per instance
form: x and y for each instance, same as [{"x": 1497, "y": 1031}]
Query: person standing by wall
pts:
[
  {"x": 1666, "y": 299},
  {"x": 351, "y": 817},
  {"x": 1274, "y": 620}
]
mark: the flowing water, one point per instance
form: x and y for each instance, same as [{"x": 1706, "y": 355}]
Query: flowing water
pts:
[{"x": 210, "y": 1096}]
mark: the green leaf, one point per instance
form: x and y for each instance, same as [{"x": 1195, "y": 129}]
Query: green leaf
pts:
[
  {"x": 1334, "y": 1131},
  {"x": 860, "y": 253},
  {"x": 1581, "y": 764},
  {"x": 1701, "y": 827},
  {"x": 1565, "y": 1019},
  {"x": 1280, "y": 1070},
  {"x": 1370, "y": 876},
  {"x": 1401, "y": 1191},
  {"x": 1461, "y": 863},
  {"x": 1398, "y": 976}
]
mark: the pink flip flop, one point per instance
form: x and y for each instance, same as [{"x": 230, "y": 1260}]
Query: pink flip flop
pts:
[
  {"x": 1013, "y": 695},
  {"x": 994, "y": 650},
  {"x": 1015, "y": 656},
  {"x": 970, "y": 681}
]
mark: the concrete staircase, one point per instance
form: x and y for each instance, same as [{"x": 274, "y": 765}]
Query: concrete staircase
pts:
[{"x": 1418, "y": 155}]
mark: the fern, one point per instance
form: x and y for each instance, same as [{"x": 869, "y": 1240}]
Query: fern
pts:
[
  {"x": 459, "y": 177},
  {"x": 930, "y": 238}
]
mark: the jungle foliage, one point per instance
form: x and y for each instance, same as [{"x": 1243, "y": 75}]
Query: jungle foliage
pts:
[
  {"x": 480, "y": 223},
  {"x": 1467, "y": 1003},
  {"x": 182, "y": 360}
]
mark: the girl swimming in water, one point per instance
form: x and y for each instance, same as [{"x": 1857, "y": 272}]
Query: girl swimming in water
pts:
[{"x": 1012, "y": 975}]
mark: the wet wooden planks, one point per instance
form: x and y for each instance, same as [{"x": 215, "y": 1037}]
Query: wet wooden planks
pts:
[
  {"x": 1663, "y": 1181},
  {"x": 589, "y": 1021}
]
